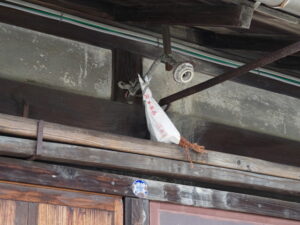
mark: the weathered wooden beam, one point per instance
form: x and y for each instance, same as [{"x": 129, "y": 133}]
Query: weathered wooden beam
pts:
[
  {"x": 277, "y": 19},
  {"x": 236, "y": 16},
  {"x": 99, "y": 182},
  {"x": 76, "y": 155},
  {"x": 60, "y": 133},
  {"x": 242, "y": 42},
  {"x": 232, "y": 16},
  {"x": 272, "y": 17},
  {"x": 81, "y": 8},
  {"x": 16, "y": 147},
  {"x": 137, "y": 211},
  {"x": 55, "y": 196}
]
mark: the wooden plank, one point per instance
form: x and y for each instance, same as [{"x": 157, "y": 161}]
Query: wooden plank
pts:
[
  {"x": 7, "y": 212},
  {"x": 235, "y": 16},
  {"x": 103, "y": 158},
  {"x": 90, "y": 217},
  {"x": 118, "y": 212},
  {"x": 100, "y": 182},
  {"x": 16, "y": 147},
  {"x": 11, "y": 191},
  {"x": 53, "y": 215},
  {"x": 65, "y": 134},
  {"x": 62, "y": 215},
  {"x": 245, "y": 42},
  {"x": 137, "y": 211},
  {"x": 79, "y": 8},
  {"x": 33, "y": 211},
  {"x": 22, "y": 209}
]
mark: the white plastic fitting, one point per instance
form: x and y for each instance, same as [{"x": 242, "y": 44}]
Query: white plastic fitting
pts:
[{"x": 184, "y": 72}]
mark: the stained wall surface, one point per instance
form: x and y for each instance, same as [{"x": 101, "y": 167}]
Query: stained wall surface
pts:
[
  {"x": 34, "y": 57},
  {"x": 229, "y": 103}
]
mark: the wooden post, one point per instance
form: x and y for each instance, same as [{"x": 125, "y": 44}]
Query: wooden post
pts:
[
  {"x": 126, "y": 67},
  {"x": 137, "y": 211}
]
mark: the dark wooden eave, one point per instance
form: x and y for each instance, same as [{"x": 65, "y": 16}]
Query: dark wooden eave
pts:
[{"x": 234, "y": 16}]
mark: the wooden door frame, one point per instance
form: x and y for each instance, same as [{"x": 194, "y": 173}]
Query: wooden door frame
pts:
[
  {"x": 31, "y": 172},
  {"x": 137, "y": 211},
  {"x": 64, "y": 197},
  {"x": 157, "y": 207}
]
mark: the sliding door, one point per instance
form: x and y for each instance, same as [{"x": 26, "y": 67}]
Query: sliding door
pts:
[{"x": 32, "y": 205}]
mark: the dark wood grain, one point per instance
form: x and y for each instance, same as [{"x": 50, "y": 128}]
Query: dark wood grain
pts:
[
  {"x": 33, "y": 205},
  {"x": 126, "y": 67},
  {"x": 234, "y": 16},
  {"x": 71, "y": 135},
  {"x": 103, "y": 158},
  {"x": 34, "y": 213},
  {"x": 22, "y": 209},
  {"x": 137, "y": 211},
  {"x": 7, "y": 212},
  {"x": 34, "y": 194},
  {"x": 100, "y": 182}
]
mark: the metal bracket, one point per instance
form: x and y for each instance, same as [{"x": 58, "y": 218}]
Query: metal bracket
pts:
[
  {"x": 39, "y": 139},
  {"x": 131, "y": 87}
]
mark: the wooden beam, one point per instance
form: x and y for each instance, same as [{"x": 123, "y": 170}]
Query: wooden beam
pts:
[
  {"x": 99, "y": 182},
  {"x": 137, "y": 211},
  {"x": 242, "y": 42},
  {"x": 102, "y": 158},
  {"x": 278, "y": 19},
  {"x": 126, "y": 67},
  {"x": 57, "y": 196},
  {"x": 16, "y": 147},
  {"x": 236, "y": 16},
  {"x": 81, "y": 8},
  {"x": 60, "y": 133}
]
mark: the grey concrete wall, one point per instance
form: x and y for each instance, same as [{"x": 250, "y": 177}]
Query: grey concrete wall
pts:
[
  {"x": 229, "y": 103},
  {"x": 43, "y": 59},
  {"x": 31, "y": 56}
]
